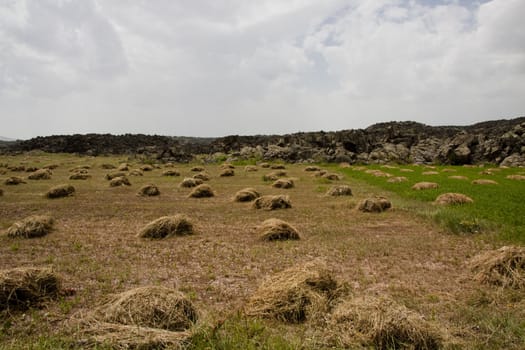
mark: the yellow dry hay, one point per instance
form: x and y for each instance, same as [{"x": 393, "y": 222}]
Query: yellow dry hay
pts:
[
  {"x": 270, "y": 202},
  {"x": 277, "y": 230},
  {"x": 59, "y": 191},
  {"x": 149, "y": 190},
  {"x": 283, "y": 183},
  {"x": 374, "y": 205},
  {"x": 340, "y": 190},
  {"x": 246, "y": 195},
  {"x": 202, "y": 191},
  {"x": 167, "y": 226},
  {"x": 453, "y": 199},
  {"x": 425, "y": 186},
  {"x": 502, "y": 267},
  {"x": 31, "y": 227}
]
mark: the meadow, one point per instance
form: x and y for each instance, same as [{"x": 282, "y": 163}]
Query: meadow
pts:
[{"x": 411, "y": 263}]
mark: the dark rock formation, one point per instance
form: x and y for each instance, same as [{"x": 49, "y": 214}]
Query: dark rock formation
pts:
[{"x": 500, "y": 141}]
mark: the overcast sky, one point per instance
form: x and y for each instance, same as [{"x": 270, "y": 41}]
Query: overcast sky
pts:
[{"x": 222, "y": 67}]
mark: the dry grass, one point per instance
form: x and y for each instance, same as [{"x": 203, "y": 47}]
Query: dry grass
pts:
[
  {"x": 115, "y": 174},
  {"x": 332, "y": 176},
  {"x": 397, "y": 179},
  {"x": 146, "y": 167},
  {"x": 264, "y": 165},
  {"x": 227, "y": 172},
  {"x": 14, "y": 180},
  {"x": 41, "y": 174},
  {"x": 453, "y": 199},
  {"x": 31, "y": 227},
  {"x": 458, "y": 177},
  {"x": 502, "y": 267},
  {"x": 277, "y": 230},
  {"x": 382, "y": 324},
  {"x": 425, "y": 186},
  {"x": 516, "y": 177},
  {"x": 136, "y": 172},
  {"x": 277, "y": 166},
  {"x": 197, "y": 169},
  {"x": 340, "y": 190},
  {"x": 60, "y": 191},
  {"x": 79, "y": 176},
  {"x": 119, "y": 181},
  {"x": 203, "y": 176},
  {"x": 189, "y": 182},
  {"x": 374, "y": 205},
  {"x": 170, "y": 172},
  {"x": 21, "y": 288},
  {"x": 1, "y": 192},
  {"x": 378, "y": 173},
  {"x": 107, "y": 166},
  {"x": 484, "y": 182},
  {"x": 250, "y": 168},
  {"x": 167, "y": 226},
  {"x": 202, "y": 191},
  {"x": 283, "y": 183},
  {"x": 430, "y": 173},
  {"x": 149, "y": 190},
  {"x": 123, "y": 167},
  {"x": 272, "y": 202},
  {"x": 312, "y": 168},
  {"x": 274, "y": 175},
  {"x": 295, "y": 295},
  {"x": 246, "y": 195}
]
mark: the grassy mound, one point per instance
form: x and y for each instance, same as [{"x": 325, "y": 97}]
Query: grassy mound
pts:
[
  {"x": 246, "y": 195},
  {"x": 41, "y": 174},
  {"x": 425, "y": 186},
  {"x": 374, "y": 205},
  {"x": 60, "y": 191},
  {"x": 382, "y": 324},
  {"x": 31, "y": 227},
  {"x": 190, "y": 182},
  {"x": 22, "y": 288},
  {"x": 202, "y": 191},
  {"x": 119, "y": 181},
  {"x": 167, "y": 226},
  {"x": 272, "y": 202},
  {"x": 14, "y": 180},
  {"x": 294, "y": 295},
  {"x": 277, "y": 230},
  {"x": 283, "y": 183},
  {"x": 453, "y": 199},
  {"x": 149, "y": 191},
  {"x": 340, "y": 190},
  {"x": 502, "y": 267}
]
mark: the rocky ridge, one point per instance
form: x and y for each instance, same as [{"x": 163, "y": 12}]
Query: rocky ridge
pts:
[{"x": 499, "y": 141}]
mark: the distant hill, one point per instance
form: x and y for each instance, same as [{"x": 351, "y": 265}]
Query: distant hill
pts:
[{"x": 6, "y": 139}]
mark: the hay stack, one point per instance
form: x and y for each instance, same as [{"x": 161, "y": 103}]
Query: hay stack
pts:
[
  {"x": 320, "y": 173},
  {"x": 274, "y": 175},
  {"x": 502, "y": 267},
  {"x": 202, "y": 191},
  {"x": 458, "y": 177},
  {"x": 277, "y": 166},
  {"x": 516, "y": 177},
  {"x": 277, "y": 230},
  {"x": 227, "y": 172},
  {"x": 397, "y": 179},
  {"x": 294, "y": 295},
  {"x": 197, "y": 169},
  {"x": 378, "y": 173},
  {"x": 79, "y": 176},
  {"x": 119, "y": 181},
  {"x": 250, "y": 168},
  {"x": 227, "y": 166},
  {"x": 17, "y": 168},
  {"x": 107, "y": 166},
  {"x": 79, "y": 168},
  {"x": 14, "y": 180},
  {"x": 382, "y": 324},
  {"x": 429, "y": 173},
  {"x": 339, "y": 190},
  {"x": 246, "y": 195},
  {"x": 153, "y": 307},
  {"x": 452, "y": 199},
  {"x": 41, "y": 174},
  {"x": 169, "y": 165},
  {"x": 167, "y": 226},
  {"x": 484, "y": 182},
  {"x": 31, "y": 169},
  {"x": 123, "y": 167},
  {"x": 148, "y": 191},
  {"x": 146, "y": 167},
  {"x": 60, "y": 191},
  {"x": 312, "y": 168},
  {"x": 203, "y": 176},
  {"x": 405, "y": 170},
  {"x": 272, "y": 202},
  {"x": 264, "y": 165},
  {"x": 425, "y": 186},
  {"x": 332, "y": 176},
  {"x": 190, "y": 182},
  {"x": 112, "y": 175},
  {"x": 170, "y": 172},
  {"x": 25, "y": 287},
  {"x": 283, "y": 183},
  {"x": 374, "y": 205},
  {"x": 52, "y": 166},
  {"x": 136, "y": 172},
  {"x": 31, "y": 227}
]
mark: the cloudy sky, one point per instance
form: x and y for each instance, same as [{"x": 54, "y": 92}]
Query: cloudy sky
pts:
[{"x": 221, "y": 67}]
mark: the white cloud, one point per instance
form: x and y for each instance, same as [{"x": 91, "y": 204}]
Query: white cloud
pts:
[{"x": 225, "y": 67}]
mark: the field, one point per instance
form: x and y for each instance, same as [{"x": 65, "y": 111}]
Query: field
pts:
[{"x": 416, "y": 254}]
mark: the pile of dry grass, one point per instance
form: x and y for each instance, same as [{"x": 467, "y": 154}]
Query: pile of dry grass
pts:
[
  {"x": 452, "y": 199},
  {"x": 448, "y": 170},
  {"x": 487, "y": 172},
  {"x": 312, "y": 168},
  {"x": 203, "y": 176},
  {"x": 250, "y": 168},
  {"x": 197, "y": 169},
  {"x": 516, "y": 177},
  {"x": 123, "y": 167},
  {"x": 246, "y": 195},
  {"x": 111, "y": 176},
  {"x": 484, "y": 182},
  {"x": 170, "y": 172},
  {"x": 169, "y": 165},
  {"x": 397, "y": 179},
  {"x": 59, "y": 191},
  {"x": 21, "y": 288},
  {"x": 153, "y": 307},
  {"x": 382, "y": 324},
  {"x": 344, "y": 165},
  {"x": 79, "y": 176},
  {"x": 14, "y": 180},
  {"x": 80, "y": 168},
  {"x": 190, "y": 182},
  {"x": 119, "y": 181},
  {"x": 374, "y": 205},
  {"x": 378, "y": 173},
  {"x": 332, "y": 176},
  {"x": 274, "y": 175},
  {"x": 425, "y": 186},
  {"x": 264, "y": 165},
  {"x": 149, "y": 191},
  {"x": 429, "y": 173},
  {"x": 31, "y": 227},
  {"x": 295, "y": 295},
  {"x": 51, "y": 166},
  {"x": 107, "y": 166},
  {"x": 405, "y": 170},
  {"x": 17, "y": 168},
  {"x": 272, "y": 202},
  {"x": 146, "y": 167},
  {"x": 502, "y": 267},
  {"x": 167, "y": 226},
  {"x": 136, "y": 172},
  {"x": 227, "y": 172},
  {"x": 277, "y": 166},
  {"x": 283, "y": 183},
  {"x": 277, "y": 230},
  {"x": 41, "y": 174},
  {"x": 320, "y": 173},
  {"x": 458, "y": 177},
  {"x": 340, "y": 190},
  {"x": 202, "y": 191},
  {"x": 31, "y": 169}
]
